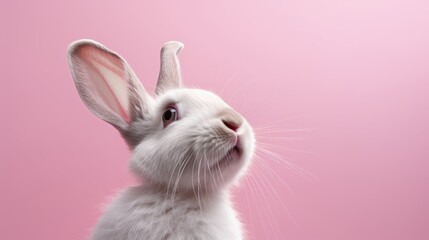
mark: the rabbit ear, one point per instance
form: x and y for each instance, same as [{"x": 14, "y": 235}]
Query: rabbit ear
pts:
[
  {"x": 106, "y": 83},
  {"x": 169, "y": 74}
]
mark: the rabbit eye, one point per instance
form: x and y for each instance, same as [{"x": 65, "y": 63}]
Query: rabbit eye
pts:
[{"x": 169, "y": 116}]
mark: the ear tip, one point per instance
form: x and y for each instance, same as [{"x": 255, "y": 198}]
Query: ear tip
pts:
[
  {"x": 173, "y": 45},
  {"x": 74, "y": 47}
]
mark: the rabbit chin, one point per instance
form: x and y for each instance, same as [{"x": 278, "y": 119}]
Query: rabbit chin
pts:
[{"x": 192, "y": 171}]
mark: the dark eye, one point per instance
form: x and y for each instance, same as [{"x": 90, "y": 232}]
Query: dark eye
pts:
[{"x": 169, "y": 116}]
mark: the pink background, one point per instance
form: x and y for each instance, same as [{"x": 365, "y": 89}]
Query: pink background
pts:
[{"x": 348, "y": 80}]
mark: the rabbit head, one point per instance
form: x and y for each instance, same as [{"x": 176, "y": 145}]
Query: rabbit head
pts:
[{"x": 181, "y": 138}]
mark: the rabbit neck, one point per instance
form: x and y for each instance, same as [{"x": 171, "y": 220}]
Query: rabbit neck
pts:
[{"x": 202, "y": 199}]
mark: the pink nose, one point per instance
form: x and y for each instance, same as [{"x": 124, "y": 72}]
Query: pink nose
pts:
[
  {"x": 231, "y": 119},
  {"x": 231, "y": 125}
]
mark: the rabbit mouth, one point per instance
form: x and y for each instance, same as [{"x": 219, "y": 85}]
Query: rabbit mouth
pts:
[{"x": 231, "y": 156}]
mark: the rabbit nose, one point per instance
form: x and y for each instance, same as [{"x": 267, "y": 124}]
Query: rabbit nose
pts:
[
  {"x": 231, "y": 119},
  {"x": 231, "y": 125}
]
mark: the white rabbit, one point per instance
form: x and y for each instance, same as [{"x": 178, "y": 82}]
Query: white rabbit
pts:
[{"x": 188, "y": 147}]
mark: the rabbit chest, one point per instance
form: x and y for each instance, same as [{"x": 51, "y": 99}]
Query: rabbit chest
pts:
[{"x": 142, "y": 213}]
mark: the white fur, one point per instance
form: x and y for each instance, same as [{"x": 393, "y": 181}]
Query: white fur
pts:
[
  {"x": 186, "y": 166},
  {"x": 146, "y": 213}
]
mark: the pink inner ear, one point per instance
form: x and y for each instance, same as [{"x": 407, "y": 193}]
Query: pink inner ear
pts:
[{"x": 107, "y": 80}]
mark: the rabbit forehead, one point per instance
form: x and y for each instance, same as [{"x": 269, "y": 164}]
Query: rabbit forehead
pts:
[{"x": 192, "y": 99}]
